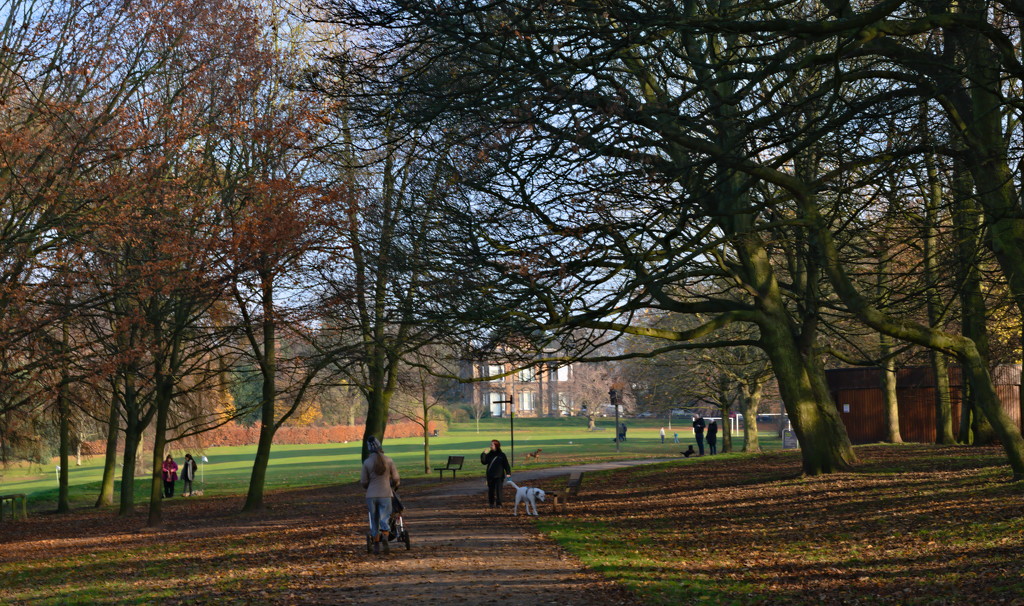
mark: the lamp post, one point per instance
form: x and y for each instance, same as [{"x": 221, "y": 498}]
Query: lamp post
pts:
[{"x": 512, "y": 427}]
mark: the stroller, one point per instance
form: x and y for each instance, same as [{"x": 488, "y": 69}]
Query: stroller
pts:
[{"x": 395, "y": 523}]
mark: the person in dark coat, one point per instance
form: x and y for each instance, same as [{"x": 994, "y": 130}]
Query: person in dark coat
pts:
[
  {"x": 188, "y": 475},
  {"x": 497, "y": 471},
  {"x": 713, "y": 437},
  {"x": 698, "y": 432}
]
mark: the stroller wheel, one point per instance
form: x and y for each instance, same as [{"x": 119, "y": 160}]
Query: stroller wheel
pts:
[
  {"x": 405, "y": 539},
  {"x": 369, "y": 544}
]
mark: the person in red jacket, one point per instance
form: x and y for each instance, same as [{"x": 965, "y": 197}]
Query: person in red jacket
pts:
[{"x": 170, "y": 469}]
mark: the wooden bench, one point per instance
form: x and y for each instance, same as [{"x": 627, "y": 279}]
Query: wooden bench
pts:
[
  {"x": 454, "y": 464},
  {"x": 13, "y": 498},
  {"x": 571, "y": 490}
]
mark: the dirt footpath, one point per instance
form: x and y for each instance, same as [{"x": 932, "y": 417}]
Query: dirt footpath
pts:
[{"x": 465, "y": 553}]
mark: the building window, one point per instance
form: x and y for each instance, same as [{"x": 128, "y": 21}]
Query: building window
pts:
[
  {"x": 527, "y": 375},
  {"x": 493, "y": 370},
  {"x": 562, "y": 374},
  {"x": 494, "y": 399},
  {"x": 527, "y": 401}
]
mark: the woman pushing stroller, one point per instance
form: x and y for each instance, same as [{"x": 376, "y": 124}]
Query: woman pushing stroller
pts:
[{"x": 379, "y": 477}]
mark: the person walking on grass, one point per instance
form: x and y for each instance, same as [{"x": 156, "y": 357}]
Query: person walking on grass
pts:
[
  {"x": 170, "y": 473},
  {"x": 662, "y": 435},
  {"x": 498, "y": 470},
  {"x": 698, "y": 432},
  {"x": 188, "y": 474},
  {"x": 713, "y": 437},
  {"x": 379, "y": 477}
]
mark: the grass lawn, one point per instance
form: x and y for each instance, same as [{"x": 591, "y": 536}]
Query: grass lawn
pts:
[
  {"x": 913, "y": 524},
  {"x": 563, "y": 441}
]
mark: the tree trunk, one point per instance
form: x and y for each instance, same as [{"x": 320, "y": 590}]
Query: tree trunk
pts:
[
  {"x": 943, "y": 400},
  {"x": 987, "y": 400},
  {"x": 382, "y": 379},
  {"x": 64, "y": 412},
  {"x": 751, "y": 401},
  {"x": 933, "y": 299},
  {"x": 268, "y": 420},
  {"x": 726, "y": 428},
  {"x": 426, "y": 424},
  {"x": 106, "y": 496},
  {"x": 890, "y": 405},
  {"x": 376, "y": 419},
  {"x": 258, "y": 478},
  {"x": 967, "y": 221},
  {"x": 132, "y": 442},
  {"x": 824, "y": 445},
  {"x": 1020, "y": 387},
  {"x": 164, "y": 394}
]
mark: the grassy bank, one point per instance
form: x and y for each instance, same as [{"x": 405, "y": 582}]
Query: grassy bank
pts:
[{"x": 562, "y": 442}]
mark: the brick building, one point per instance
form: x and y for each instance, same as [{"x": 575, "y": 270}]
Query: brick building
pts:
[{"x": 541, "y": 390}]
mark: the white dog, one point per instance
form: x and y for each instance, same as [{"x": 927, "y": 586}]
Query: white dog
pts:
[{"x": 527, "y": 495}]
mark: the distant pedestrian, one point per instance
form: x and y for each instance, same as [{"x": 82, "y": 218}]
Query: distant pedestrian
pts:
[
  {"x": 675, "y": 438},
  {"x": 623, "y": 432},
  {"x": 698, "y": 432},
  {"x": 497, "y": 471},
  {"x": 170, "y": 473},
  {"x": 188, "y": 474},
  {"x": 713, "y": 437},
  {"x": 662, "y": 435},
  {"x": 379, "y": 477}
]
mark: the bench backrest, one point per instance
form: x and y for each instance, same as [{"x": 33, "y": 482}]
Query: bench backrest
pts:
[
  {"x": 455, "y": 462},
  {"x": 575, "y": 479}
]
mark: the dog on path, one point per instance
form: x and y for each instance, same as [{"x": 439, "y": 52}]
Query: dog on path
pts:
[
  {"x": 535, "y": 455},
  {"x": 526, "y": 495},
  {"x": 689, "y": 451}
]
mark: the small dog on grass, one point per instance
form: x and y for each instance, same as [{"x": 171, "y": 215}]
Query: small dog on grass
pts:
[
  {"x": 527, "y": 495},
  {"x": 689, "y": 451},
  {"x": 535, "y": 455}
]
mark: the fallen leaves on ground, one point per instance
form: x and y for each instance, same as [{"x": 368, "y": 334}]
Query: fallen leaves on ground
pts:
[{"x": 911, "y": 524}]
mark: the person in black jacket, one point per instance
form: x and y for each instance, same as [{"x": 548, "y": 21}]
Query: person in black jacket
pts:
[
  {"x": 188, "y": 474},
  {"x": 497, "y": 470},
  {"x": 698, "y": 432},
  {"x": 713, "y": 437}
]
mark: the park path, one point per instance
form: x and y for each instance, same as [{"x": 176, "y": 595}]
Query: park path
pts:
[{"x": 465, "y": 553}]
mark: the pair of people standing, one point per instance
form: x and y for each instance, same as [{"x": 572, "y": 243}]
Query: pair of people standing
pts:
[
  {"x": 698, "y": 434},
  {"x": 169, "y": 469}
]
